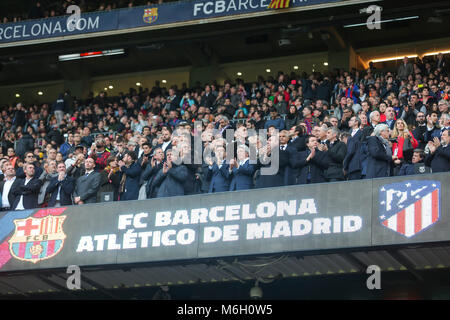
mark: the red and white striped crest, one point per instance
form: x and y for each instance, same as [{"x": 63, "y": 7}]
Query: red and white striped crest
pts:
[{"x": 409, "y": 207}]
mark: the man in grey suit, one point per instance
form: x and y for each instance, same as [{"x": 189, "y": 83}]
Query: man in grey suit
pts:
[
  {"x": 405, "y": 69},
  {"x": 87, "y": 185}
]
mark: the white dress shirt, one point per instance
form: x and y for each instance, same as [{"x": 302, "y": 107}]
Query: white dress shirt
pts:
[
  {"x": 20, "y": 205},
  {"x": 6, "y": 190}
]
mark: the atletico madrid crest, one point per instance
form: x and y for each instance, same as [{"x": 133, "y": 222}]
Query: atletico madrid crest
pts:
[
  {"x": 37, "y": 239},
  {"x": 150, "y": 15},
  {"x": 410, "y": 207}
]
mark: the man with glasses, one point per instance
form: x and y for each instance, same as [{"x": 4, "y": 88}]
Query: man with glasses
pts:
[
  {"x": 29, "y": 159},
  {"x": 443, "y": 106}
]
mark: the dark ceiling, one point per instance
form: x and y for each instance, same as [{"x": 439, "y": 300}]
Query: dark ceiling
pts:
[{"x": 231, "y": 41}]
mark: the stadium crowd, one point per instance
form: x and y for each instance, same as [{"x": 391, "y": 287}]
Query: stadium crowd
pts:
[
  {"x": 320, "y": 128},
  {"x": 47, "y": 9}
]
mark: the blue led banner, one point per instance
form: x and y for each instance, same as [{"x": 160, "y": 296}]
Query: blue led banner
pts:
[
  {"x": 138, "y": 17},
  {"x": 380, "y": 212}
]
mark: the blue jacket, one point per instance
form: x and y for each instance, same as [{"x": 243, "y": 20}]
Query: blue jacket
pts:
[
  {"x": 406, "y": 169},
  {"x": 378, "y": 162},
  {"x": 171, "y": 183},
  {"x": 220, "y": 178},
  {"x": 278, "y": 123},
  {"x": 64, "y": 149},
  {"x": 242, "y": 177},
  {"x": 133, "y": 174},
  {"x": 67, "y": 187},
  {"x": 352, "y": 160}
]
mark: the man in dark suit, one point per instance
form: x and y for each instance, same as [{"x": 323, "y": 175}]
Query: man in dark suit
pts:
[
  {"x": 7, "y": 185},
  {"x": 352, "y": 160},
  {"x": 312, "y": 163},
  {"x": 219, "y": 172},
  {"x": 155, "y": 164},
  {"x": 61, "y": 188},
  {"x": 166, "y": 132},
  {"x": 171, "y": 177},
  {"x": 336, "y": 151},
  {"x": 286, "y": 173},
  {"x": 87, "y": 185},
  {"x": 380, "y": 154},
  {"x": 390, "y": 117},
  {"x": 439, "y": 157},
  {"x": 26, "y": 190},
  {"x": 242, "y": 171},
  {"x": 130, "y": 175},
  {"x": 29, "y": 158}
]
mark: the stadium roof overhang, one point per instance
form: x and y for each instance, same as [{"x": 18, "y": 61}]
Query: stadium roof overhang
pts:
[{"x": 228, "y": 41}]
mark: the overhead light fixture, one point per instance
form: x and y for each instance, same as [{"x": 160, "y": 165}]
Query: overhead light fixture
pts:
[
  {"x": 106, "y": 89},
  {"x": 267, "y": 70},
  {"x": 17, "y": 95},
  {"x": 295, "y": 67},
  {"x": 138, "y": 84},
  {"x": 111, "y": 87},
  {"x": 436, "y": 53},
  {"x": 92, "y": 54},
  {"x": 164, "y": 81},
  {"x": 239, "y": 73},
  {"x": 40, "y": 93},
  {"x": 393, "y": 58},
  {"x": 325, "y": 63},
  {"x": 382, "y": 21}
]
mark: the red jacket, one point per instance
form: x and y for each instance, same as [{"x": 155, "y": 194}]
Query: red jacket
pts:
[{"x": 399, "y": 145}]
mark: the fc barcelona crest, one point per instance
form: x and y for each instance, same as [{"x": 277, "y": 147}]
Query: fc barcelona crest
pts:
[
  {"x": 150, "y": 15},
  {"x": 37, "y": 239}
]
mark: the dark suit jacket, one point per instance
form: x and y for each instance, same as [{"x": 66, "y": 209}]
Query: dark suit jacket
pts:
[
  {"x": 378, "y": 162},
  {"x": 133, "y": 174},
  {"x": 220, "y": 178},
  {"x": 171, "y": 183},
  {"x": 242, "y": 177},
  {"x": 316, "y": 166},
  {"x": 86, "y": 187},
  {"x": 336, "y": 153},
  {"x": 391, "y": 126},
  {"x": 67, "y": 187},
  {"x": 149, "y": 175},
  {"x": 352, "y": 160},
  {"x": 439, "y": 161},
  {"x": 30, "y": 193},
  {"x": 11, "y": 196}
]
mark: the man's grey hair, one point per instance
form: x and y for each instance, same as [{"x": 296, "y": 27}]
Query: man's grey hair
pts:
[
  {"x": 357, "y": 119},
  {"x": 244, "y": 147},
  {"x": 380, "y": 127},
  {"x": 445, "y": 116},
  {"x": 442, "y": 101},
  {"x": 372, "y": 114},
  {"x": 335, "y": 131}
]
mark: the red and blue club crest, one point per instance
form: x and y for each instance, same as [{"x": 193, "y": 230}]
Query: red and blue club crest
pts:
[
  {"x": 410, "y": 207},
  {"x": 37, "y": 239},
  {"x": 150, "y": 15}
]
